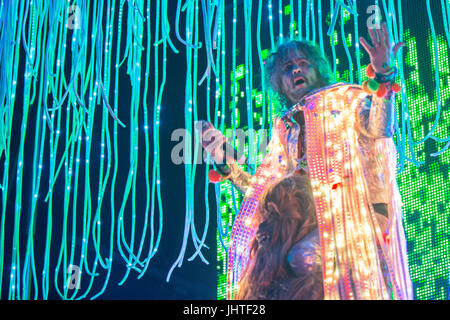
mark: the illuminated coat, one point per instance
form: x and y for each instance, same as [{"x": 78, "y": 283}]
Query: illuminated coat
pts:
[{"x": 350, "y": 157}]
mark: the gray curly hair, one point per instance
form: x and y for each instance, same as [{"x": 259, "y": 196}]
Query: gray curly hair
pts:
[{"x": 273, "y": 63}]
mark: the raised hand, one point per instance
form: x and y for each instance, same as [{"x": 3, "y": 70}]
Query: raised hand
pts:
[
  {"x": 212, "y": 141},
  {"x": 383, "y": 50}
]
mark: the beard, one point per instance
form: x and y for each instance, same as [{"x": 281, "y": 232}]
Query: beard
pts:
[{"x": 295, "y": 94}]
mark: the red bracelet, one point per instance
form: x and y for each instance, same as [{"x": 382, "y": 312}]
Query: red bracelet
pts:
[{"x": 380, "y": 89}]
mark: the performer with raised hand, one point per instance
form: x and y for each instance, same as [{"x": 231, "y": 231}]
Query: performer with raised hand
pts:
[{"x": 338, "y": 136}]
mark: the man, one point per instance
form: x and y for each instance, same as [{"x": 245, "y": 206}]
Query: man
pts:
[{"x": 295, "y": 71}]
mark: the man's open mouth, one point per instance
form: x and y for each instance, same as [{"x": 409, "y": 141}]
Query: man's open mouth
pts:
[{"x": 299, "y": 81}]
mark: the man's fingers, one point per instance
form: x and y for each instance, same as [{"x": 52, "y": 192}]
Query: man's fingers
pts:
[
  {"x": 373, "y": 37},
  {"x": 365, "y": 44},
  {"x": 397, "y": 47},
  {"x": 387, "y": 38},
  {"x": 380, "y": 37}
]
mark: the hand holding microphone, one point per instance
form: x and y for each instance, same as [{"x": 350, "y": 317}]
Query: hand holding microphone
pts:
[
  {"x": 214, "y": 142},
  {"x": 222, "y": 153}
]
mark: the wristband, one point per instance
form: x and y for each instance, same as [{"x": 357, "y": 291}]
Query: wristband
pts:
[{"x": 383, "y": 78}]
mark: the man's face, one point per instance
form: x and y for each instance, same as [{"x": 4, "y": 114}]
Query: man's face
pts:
[{"x": 298, "y": 76}]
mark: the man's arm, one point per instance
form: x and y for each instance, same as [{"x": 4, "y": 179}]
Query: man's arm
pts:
[
  {"x": 375, "y": 116},
  {"x": 238, "y": 177}
]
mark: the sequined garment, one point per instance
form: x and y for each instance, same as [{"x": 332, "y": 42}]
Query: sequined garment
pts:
[
  {"x": 368, "y": 169},
  {"x": 374, "y": 121}
]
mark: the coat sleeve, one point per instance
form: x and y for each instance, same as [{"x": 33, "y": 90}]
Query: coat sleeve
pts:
[
  {"x": 239, "y": 178},
  {"x": 375, "y": 116}
]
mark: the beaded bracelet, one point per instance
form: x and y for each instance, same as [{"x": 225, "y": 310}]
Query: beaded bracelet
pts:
[{"x": 379, "y": 83}]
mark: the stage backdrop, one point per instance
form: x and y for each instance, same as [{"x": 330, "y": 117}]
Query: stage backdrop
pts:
[{"x": 102, "y": 181}]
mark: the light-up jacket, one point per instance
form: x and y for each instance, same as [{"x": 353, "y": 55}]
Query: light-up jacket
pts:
[{"x": 374, "y": 123}]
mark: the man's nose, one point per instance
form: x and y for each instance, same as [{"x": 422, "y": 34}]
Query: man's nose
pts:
[{"x": 296, "y": 69}]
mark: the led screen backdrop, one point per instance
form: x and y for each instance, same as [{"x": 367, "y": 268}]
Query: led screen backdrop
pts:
[
  {"x": 102, "y": 181},
  {"x": 425, "y": 188}
]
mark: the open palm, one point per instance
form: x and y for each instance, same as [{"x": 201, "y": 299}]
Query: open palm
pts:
[{"x": 383, "y": 50}]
